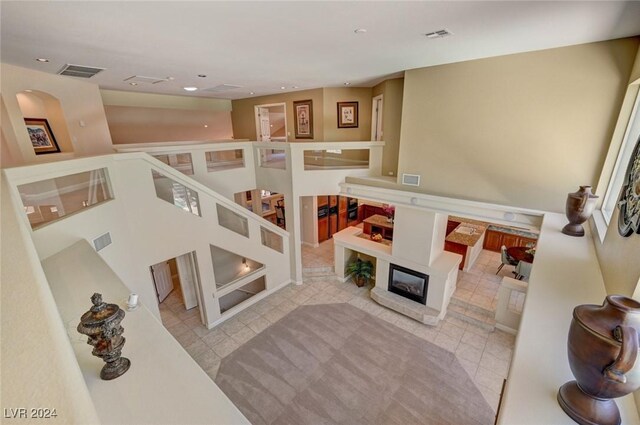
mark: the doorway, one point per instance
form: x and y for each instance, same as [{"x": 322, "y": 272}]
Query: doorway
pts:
[
  {"x": 271, "y": 122},
  {"x": 178, "y": 287},
  {"x": 376, "y": 118}
]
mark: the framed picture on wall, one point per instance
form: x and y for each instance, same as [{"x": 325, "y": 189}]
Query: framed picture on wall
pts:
[
  {"x": 347, "y": 114},
  {"x": 42, "y": 138},
  {"x": 303, "y": 113}
]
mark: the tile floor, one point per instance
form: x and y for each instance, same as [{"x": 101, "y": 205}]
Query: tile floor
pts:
[
  {"x": 485, "y": 355},
  {"x": 320, "y": 257}
]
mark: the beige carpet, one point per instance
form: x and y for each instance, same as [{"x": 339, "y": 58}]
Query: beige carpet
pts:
[{"x": 336, "y": 364}]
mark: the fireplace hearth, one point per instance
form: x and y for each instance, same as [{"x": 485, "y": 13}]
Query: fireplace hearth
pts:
[{"x": 408, "y": 283}]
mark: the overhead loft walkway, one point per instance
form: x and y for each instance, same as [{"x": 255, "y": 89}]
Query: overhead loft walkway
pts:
[{"x": 138, "y": 212}]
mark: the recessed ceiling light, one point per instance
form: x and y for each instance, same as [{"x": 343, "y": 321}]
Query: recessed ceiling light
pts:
[
  {"x": 360, "y": 31},
  {"x": 202, "y": 75},
  {"x": 133, "y": 84},
  {"x": 190, "y": 88},
  {"x": 42, "y": 59},
  {"x": 347, "y": 84},
  {"x": 171, "y": 78},
  {"x": 295, "y": 87},
  {"x": 206, "y": 126},
  {"x": 29, "y": 91},
  {"x": 282, "y": 88},
  {"x": 251, "y": 92}
]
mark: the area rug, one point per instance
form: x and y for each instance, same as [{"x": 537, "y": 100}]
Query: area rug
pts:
[{"x": 336, "y": 364}]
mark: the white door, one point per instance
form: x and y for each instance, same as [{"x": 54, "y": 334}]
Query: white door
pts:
[
  {"x": 376, "y": 119},
  {"x": 188, "y": 280},
  {"x": 265, "y": 125},
  {"x": 162, "y": 278}
]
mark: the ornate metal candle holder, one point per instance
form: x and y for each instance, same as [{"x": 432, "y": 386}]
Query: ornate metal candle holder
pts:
[{"x": 102, "y": 325}]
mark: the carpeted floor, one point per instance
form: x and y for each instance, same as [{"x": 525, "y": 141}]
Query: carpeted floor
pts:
[{"x": 335, "y": 364}]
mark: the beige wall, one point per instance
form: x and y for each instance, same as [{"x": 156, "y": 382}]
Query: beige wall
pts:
[
  {"x": 80, "y": 101},
  {"x": 391, "y": 91},
  {"x": 151, "y": 100},
  {"x": 332, "y": 96},
  {"x": 131, "y": 124},
  {"x": 243, "y": 115},
  {"x": 520, "y": 130}
]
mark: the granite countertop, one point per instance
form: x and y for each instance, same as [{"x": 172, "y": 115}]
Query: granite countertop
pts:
[
  {"x": 527, "y": 233},
  {"x": 464, "y": 238},
  {"x": 512, "y": 230},
  {"x": 379, "y": 220}
]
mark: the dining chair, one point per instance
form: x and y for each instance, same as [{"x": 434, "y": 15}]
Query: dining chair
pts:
[
  {"x": 280, "y": 221},
  {"x": 505, "y": 259},
  {"x": 523, "y": 270}
]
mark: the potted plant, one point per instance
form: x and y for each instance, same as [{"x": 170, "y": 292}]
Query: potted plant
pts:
[{"x": 362, "y": 271}]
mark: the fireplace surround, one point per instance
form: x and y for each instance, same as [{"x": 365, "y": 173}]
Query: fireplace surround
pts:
[{"x": 408, "y": 283}]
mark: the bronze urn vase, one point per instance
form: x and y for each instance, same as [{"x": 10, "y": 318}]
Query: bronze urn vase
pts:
[
  {"x": 603, "y": 353},
  {"x": 580, "y": 206},
  {"x": 102, "y": 325}
]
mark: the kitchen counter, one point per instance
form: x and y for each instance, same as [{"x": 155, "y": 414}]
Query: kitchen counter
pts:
[
  {"x": 466, "y": 239},
  {"x": 463, "y": 238},
  {"x": 379, "y": 220}
]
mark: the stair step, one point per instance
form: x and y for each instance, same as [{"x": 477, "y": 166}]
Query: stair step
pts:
[
  {"x": 485, "y": 322},
  {"x": 469, "y": 305},
  {"x": 318, "y": 271}
]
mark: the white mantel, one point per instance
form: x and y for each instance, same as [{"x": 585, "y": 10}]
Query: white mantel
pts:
[{"x": 443, "y": 271}]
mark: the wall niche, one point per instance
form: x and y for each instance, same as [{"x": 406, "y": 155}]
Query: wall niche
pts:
[{"x": 44, "y": 111}]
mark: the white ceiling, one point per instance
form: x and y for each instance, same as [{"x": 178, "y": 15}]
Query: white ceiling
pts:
[{"x": 265, "y": 45}]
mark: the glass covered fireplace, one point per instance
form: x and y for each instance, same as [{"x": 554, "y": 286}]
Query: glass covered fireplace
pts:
[{"x": 408, "y": 283}]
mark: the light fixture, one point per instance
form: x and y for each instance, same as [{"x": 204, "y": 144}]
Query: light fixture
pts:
[
  {"x": 28, "y": 90},
  {"x": 509, "y": 216},
  {"x": 360, "y": 31},
  {"x": 251, "y": 92},
  {"x": 295, "y": 87},
  {"x": 42, "y": 59},
  {"x": 190, "y": 88},
  {"x": 206, "y": 126},
  {"x": 347, "y": 84},
  {"x": 133, "y": 84},
  {"x": 171, "y": 78},
  {"x": 282, "y": 88},
  {"x": 244, "y": 262},
  {"x": 202, "y": 75}
]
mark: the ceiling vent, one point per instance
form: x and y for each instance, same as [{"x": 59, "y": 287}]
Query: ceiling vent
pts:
[
  {"x": 145, "y": 80},
  {"x": 222, "y": 87},
  {"x": 79, "y": 71},
  {"x": 439, "y": 34}
]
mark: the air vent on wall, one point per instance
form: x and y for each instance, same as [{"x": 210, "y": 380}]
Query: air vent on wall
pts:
[
  {"x": 411, "y": 179},
  {"x": 145, "y": 80},
  {"x": 79, "y": 71},
  {"x": 222, "y": 87},
  {"x": 102, "y": 242},
  {"x": 438, "y": 34}
]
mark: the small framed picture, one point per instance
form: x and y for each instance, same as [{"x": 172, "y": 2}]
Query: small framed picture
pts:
[
  {"x": 303, "y": 112},
  {"x": 42, "y": 138},
  {"x": 347, "y": 114}
]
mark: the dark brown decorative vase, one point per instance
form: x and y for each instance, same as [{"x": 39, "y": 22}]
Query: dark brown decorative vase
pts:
[
  {"x": 603, "y": 349},
  {"x": 102, "y": 325},
  {"x": 580, "y": 206}
]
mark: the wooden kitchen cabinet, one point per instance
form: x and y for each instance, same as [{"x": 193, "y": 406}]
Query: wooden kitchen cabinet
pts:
[
  {"x": 323, "y": 229},
  {"x": 369, "y": 210},
  {"x": 493, "y": 240},
  {"x": 342, "y": 220}
]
